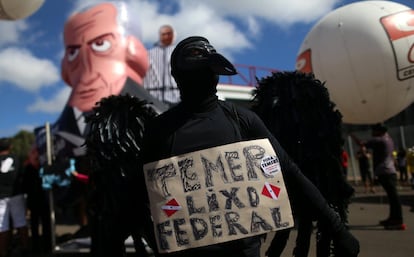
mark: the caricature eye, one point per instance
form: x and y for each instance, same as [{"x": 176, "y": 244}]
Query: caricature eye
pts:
[
  {"x": 72, "y": 53},
  {"x": 101, "y": 45}
]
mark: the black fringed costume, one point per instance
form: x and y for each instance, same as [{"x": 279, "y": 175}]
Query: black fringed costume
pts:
[
  {"x": 297, "y": 110},
  {"x": 114, "y": 148}
]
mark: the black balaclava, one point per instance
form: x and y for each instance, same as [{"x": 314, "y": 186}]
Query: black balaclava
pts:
[{"x": 196, "y": 66}]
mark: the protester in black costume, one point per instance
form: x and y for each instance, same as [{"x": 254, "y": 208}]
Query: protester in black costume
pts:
[
  {"x": 114, "y": 148},
  {"x": 297, "y": 110},
  {"x": 202, "y": 121}
]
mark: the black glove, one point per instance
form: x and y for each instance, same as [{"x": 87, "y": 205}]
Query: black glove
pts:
[{"x": 345, "y": 244}]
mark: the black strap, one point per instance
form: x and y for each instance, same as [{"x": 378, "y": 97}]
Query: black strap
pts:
[{"x": 231, "y": 112}]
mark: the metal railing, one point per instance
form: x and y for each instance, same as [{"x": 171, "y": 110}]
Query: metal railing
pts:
[{"x": 247, "y": 75}]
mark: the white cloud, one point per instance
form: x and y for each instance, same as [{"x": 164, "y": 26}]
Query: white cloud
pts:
[
  {"x": 11, "y": 31},
  {"x": 51, "y": 105},
  {"x": 278, "y": 12},
  {"x": 230, "y": 25},
  {"x": 19, "y": 67}
]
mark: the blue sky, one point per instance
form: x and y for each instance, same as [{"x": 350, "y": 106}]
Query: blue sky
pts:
[{"x": 261, "y": 33}]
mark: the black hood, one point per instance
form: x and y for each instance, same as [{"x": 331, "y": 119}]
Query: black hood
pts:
[
  {"x": 196, "y": 66},
  {"x": 196, "y": 53}
]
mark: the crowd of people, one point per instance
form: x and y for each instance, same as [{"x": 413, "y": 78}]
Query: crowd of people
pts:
[
  {"x": 25, "y": 202},
  {"x": 12, "y": 201}
]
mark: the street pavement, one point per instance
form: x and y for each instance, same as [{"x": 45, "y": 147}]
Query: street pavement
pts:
[{"x": 365, "y": 211}]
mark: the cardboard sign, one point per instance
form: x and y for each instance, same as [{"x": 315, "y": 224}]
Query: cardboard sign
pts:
[{"x": 216, "y": 195}]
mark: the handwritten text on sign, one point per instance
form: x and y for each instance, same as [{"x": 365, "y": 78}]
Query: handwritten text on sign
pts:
[{"x": 217, "y": 195}]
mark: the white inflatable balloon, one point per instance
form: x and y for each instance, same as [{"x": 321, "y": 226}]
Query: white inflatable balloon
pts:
[
  {"x": 364, "y": 52},
  {"x": 18, "y": 9}
]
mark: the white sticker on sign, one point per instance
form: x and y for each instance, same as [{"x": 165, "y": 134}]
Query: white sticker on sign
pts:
[{"x": 270, "y": 165}]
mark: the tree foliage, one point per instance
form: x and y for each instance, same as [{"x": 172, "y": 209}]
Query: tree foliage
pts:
[{"x": 21, "y": 144}]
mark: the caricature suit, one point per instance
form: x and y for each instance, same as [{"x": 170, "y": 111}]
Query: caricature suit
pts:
[
  {"x": 70, "y": 129},
  {"x": 200, "y": 121}
]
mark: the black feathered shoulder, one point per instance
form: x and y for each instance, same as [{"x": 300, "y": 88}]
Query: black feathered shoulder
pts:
[{"x": 116, "y": 128}]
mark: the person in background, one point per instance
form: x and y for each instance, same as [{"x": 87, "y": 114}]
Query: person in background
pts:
[
  {"x": 410, "y": 164},
  {"x": 344, "y": 162},
  {"x": 382, "y": 147},
  {"x": 12, "y": 201},
  {"x": 158, "y": 80},
  {"x": 37, "y": 204},
  {"x": 364, "y": 159},
  {"x": 402, "y": 165}
]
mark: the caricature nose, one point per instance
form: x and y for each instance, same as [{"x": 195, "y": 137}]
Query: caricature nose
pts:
[
  {"x": 86, "y": 61},
  {"x": 88, "y": 74}
]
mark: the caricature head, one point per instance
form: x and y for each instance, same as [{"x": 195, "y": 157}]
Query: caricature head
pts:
[{"x": 100, "y": 54}]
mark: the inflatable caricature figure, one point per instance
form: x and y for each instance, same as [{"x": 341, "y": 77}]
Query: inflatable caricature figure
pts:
[{"x": 103, "y": 57}]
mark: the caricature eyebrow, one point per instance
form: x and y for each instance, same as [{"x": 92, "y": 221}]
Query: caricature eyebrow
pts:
[
  {"x": 100, "y": 36},
  {"x": 73, "y": 46},
  {"x": 90, "y": 41}
]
